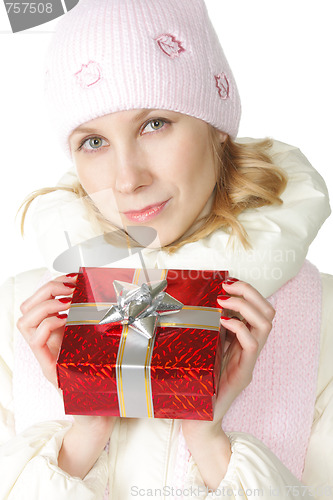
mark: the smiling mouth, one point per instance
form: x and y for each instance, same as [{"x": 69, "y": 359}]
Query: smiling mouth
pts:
[{"x": 147, "y": 213}]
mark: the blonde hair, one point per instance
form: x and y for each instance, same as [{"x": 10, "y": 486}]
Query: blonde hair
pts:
[{"x": 246, "y": 178}]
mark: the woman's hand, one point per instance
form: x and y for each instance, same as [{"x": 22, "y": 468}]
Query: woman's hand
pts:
[
  {"x": 245, "y": 339},
  {"x": 42, "y": 323}
]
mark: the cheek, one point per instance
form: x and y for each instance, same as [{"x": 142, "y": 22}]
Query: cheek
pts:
[
  {"x": 106, "y": 203},
  {"x": 196, "y": 168},
  {"x": 97, "y": 185},
  {"x": 92, "y": 178},
  {"x": 83, "y": 173},
  {"x": 84, "y": 181}
]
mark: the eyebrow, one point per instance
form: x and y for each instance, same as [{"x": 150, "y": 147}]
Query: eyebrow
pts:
[
  {"x": 84, "y": 130},
  {"x": 138, "y": 117}
]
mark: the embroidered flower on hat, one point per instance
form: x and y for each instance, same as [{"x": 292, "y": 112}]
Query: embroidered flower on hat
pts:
[
  {"x": 89, "y": 74},
  {"x": 222, "y": 84},
  {"x": 170, "y": 45}
]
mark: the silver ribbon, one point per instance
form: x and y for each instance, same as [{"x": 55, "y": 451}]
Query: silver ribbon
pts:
[{"x": 141, "y": 306}]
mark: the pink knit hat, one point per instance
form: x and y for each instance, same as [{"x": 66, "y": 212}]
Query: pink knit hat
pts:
[{"x": 115, "y": 55}]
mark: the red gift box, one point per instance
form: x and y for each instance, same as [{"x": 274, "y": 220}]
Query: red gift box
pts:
[{"x": 110, "y": 369}]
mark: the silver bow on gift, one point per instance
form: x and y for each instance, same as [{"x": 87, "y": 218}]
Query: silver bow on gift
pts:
[{"x": 141, "y": 306}]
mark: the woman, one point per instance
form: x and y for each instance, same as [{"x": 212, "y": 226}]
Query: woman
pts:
[{"x": 151, "y": 134}]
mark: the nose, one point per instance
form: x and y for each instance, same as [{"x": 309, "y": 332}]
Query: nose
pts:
[{"x": 131, "y": 170}]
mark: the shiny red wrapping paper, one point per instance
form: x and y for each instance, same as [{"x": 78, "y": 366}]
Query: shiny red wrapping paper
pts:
[{"x": 185, "y": 364}]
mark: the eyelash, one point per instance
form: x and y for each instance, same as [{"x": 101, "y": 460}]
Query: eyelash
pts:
[
  {"x": 151, "y": 120},
  {"x": 86, "y": 139}
]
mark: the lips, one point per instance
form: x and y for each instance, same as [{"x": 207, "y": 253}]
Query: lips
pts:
[{"x": 146, "y": 213}]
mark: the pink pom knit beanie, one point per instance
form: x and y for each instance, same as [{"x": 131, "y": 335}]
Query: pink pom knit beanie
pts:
[{"x": 115, "y": 55}]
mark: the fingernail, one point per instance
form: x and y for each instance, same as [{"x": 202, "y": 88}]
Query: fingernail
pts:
[
  {"x": 71, "y": 275},
  {"x": 70, "y": 285},
  {"x": 65, "y": 300},
  {"x": 62, "y": 316},
  {"x": 225, "y": 317},
  {"x": 228, "y": 282},
  {"x": 223, "y": 297}
]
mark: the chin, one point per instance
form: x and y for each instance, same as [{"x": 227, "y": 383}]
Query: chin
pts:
[{"x": 162, "y": 241}]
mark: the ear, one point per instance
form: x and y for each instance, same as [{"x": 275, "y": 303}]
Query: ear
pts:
[{"x": 222, "y": 136}]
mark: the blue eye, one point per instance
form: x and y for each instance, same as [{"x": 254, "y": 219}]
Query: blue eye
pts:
[{"x": 92, "y": 144}]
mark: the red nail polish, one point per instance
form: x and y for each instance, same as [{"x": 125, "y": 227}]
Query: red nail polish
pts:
[
  {"x": 70, "y": 285},
  {"x": 228, "y": 282},
  {"x": 233, "y": 279},
  {"x": 71, "y": 275},
  {"x": 223, "y": 297},
  {"x": 65, "y": 300},
  {"x": 62, "y": 316},
  {"x": 225, "y": 317}
]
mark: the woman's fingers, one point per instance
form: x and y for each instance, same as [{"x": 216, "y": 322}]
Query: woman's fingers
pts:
[
  {"x": 38, "y": 341},
  {"x": 63, "y": 285},
  {"x": 246, "y": 337},
  {"x": 43, "y": 304},
  {"x": 42, "y": 324},
  {"x": 45, "y": 344},
  {"x": 250, "y": 313},
  {"x": 33, "y": 317},
  {"x": 238, "y": 364},
  {"x": 249, "y": 344},
  {"x": 252, "y": 296},
  {"x": 251, "y": 333},
  {"x": 257, "y": 312}
]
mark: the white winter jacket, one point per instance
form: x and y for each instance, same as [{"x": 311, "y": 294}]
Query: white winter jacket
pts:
[{"x": 142, "y": 452}]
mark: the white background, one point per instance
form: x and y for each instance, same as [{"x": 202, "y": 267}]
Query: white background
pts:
[{"x": 280, "y": 53}]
